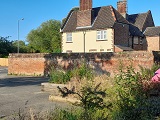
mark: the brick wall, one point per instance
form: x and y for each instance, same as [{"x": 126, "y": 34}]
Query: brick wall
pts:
[
  {"x": 3, "y": 61},
  {"x": 138, "y": 47},
  {"x": 153, "y": 43},
  {"x": 85, "y": 5},
  {"x": 107, "y": 63},
  {"x": 122, "y": 7},
  {"x": 26, "y": 64}
]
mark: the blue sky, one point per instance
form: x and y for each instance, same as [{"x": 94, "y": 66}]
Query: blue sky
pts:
[{"x": 36, "y": 12}]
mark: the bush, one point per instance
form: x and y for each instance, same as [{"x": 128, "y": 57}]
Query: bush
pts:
[
  {"x": 133, "y": 102},
  {"x": 78, "y": 114},
  {"x": 128, "y": 97},
  {"x": 59, "y": 76},
  {"x": 146, "y": 73},
  {"x": 92, "y": 104},
  {"x": 83, "y": 71}
]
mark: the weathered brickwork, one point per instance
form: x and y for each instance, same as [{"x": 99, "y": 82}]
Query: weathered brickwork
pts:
[
  {"x": 3, "y": 61},
  {"x": 153, "y": 43},
  {"x": 122, "y": 7},
  {"x": 85, "y": 5},
  {"x": 39, "y": 64},
  {"x": 138, "y": 47},
  {"x": 26, "y": 64}
]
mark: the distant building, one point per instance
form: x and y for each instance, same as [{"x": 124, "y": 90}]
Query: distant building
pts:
[
  {"x": 104, "y": 29},
  {"x": 152, "y": 38}
]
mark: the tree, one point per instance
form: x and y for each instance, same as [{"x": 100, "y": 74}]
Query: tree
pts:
[
  {"x": 22, "y": 47},
  {"x": 6, "y": 47},
  {"x": 46, "y": 38}
]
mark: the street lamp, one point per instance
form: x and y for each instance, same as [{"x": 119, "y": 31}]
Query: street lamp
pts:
[{"x": 18, "y": 35}]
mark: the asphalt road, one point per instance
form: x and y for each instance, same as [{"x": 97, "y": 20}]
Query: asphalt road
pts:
[
  {"x": 3, "y": 72},
  {"x": 23, "y": 93}
]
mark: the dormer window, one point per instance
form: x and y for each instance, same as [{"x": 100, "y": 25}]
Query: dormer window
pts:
[
  {"x": 102, "y": 35},
  {"x": 69, "y": 37}
]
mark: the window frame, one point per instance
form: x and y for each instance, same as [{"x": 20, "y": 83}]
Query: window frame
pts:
[
  {"x": 69, "y": 38},
  {"x": 101, "y": 35}
]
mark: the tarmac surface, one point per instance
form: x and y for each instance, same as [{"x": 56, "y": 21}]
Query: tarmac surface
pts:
[{"x": 22, "y": 94}]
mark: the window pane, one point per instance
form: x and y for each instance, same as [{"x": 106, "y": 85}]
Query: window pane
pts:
[
  {"x": 98, "y": 37},
  {"x": 105, "y": 35},
  {"x": 69, "y": 37},
  {"x": 101, "y": 35}
]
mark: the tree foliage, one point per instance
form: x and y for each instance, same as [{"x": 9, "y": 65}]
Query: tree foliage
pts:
[
  {"x": 6, "y": 47},
  {"x": 23, "y": 48},
  {"x": 46, "y": 38}
]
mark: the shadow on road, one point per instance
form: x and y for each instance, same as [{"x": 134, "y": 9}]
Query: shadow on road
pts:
[{"x": 22, "y": 81}]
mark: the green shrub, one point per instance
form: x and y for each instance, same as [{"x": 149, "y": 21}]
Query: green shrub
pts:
[
  {"x": 83, "y": 71},
  {"x": 63, "y": 114},
  {"x": 77, "y": 114},
  {"x": 132, "y": 101},
  {"x": 59, "y": 76},
  {"x": 91, "y": 101},
  {"x": 148, "y": 73},
  {"x": 128, "y": 95}
]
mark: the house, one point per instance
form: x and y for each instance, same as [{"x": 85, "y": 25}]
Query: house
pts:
[
  {"x": 104, "y": 29},
  {"x": 152, "y": 38}
]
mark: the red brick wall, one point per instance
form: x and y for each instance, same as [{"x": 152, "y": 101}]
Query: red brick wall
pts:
[
  {"x": 39, "y": 64},
  {"x": 117, "y": 49},
  {"x": 26, "y": 64},
  {"x": 138, "y": 47},
  {"x": 153, "y": 43}
]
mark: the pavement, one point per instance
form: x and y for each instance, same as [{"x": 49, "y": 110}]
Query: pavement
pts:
[{"x": 23, "y": 93}]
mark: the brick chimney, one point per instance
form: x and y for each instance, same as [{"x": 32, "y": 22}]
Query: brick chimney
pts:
[
  {"x": 85, "y": 5},
  {"x": 84, "y": 15},
  {"x": 122, "y": 7}
]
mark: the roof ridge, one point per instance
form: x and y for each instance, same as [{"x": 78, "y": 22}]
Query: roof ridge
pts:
[
  {"x": 113, "y": 13},
  {"x": 154, "y": 27},
  {"x": 67, "y": 19},
  {"x": 103, "y": 6},
  {"x": 148, "y": 12},
  {"x": 139, "y": 13}
]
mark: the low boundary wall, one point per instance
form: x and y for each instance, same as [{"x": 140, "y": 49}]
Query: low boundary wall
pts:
[
  {"x": 3, "y": 61},
  {"x": 106, "y": 63}
]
